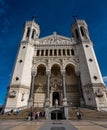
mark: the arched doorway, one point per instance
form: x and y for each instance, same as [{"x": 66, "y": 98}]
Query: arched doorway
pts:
[
  {"x": 56, "y": 115},
  {"x": 56, "y": 98}
]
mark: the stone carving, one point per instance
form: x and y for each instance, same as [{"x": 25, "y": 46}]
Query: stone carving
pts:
[
  {"x": 56, "y": 87},
  {"x": 56, "y": 39},
  {"x": 12, "y": 94},
  {"x": 99, "y": 93},
  {"x": 40, "y": 88}
]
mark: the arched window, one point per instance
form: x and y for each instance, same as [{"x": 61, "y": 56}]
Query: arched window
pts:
[
  {"x": 59, "y": 52},
  {"x": 50, "y": 52},
  {"x": 28, "y": 32},
  {"x": 42, "y": 52},
  {"x": 55, "y": 53},
  {"x": 82, "y": 31},
  {"x": 33, "y": 34},
  {"x": 38, "y": 52},
  {"x": 63, "y": 52},
  {"x": 68, "y": 53},
  {"x": 46, "y": 52},
  {"x": 72, "y": 51},
  {"x": 77, "y": 34}
]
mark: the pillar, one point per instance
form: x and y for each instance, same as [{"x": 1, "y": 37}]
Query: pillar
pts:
[
  {"x": 65, "y": 104},
  {"x": 47, "y": 102},
  {"x": 30, "y": 102}
]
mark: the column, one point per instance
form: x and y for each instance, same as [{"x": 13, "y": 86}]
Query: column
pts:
[
  {"x": 48, "y": 83},
  {"x": 63, "y": 83},
  {"x": 47, "y": 102},
  {"x": 30, "y": 102},
  {"x": 65, "y": 104}
]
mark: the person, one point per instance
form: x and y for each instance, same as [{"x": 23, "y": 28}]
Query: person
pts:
[
  {"x": 30, "y": 116},
  {"x": 38, "y": 114},
  {"x": 17, "y": 111},
  {"x": 78, "y": 115}
]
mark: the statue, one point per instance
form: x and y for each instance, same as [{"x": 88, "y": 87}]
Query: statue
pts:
[{"x": 56, "y": 102}]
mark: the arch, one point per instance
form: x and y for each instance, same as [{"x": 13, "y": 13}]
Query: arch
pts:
[
  {"x": 28, "y": 32},
  {"x": 56, "y": 63},
  {"x": 55, "y": 69},
  {"x": 77, "y": 34},
  {"x": 41, "y": 69},
  {"x": 59, "y": 52},
  {"x": 72, "y": 52},
  {"x": 83, "y": 32},
  {"x": 70, "y": 63},
  {"x": 46, "y": 52},
  {"x": 69, "y": 69},
  {"x": 40, "y": 63},
  {"x": 38, "y": 52},
  {"x": 57, "y": 114},
  {"x": 33, "y": 33}
]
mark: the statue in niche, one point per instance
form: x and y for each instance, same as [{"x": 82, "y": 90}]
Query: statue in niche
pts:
[
  {"x": 55, "y": 87},
  {"x": 40, "y": 88},
  {"x": 56, "y": 102},
  {"x": 99, "y": 93},
  {"x": 12, "y": 94}
]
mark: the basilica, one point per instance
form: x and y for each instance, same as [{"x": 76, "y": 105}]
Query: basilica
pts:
[{"x": 55, "y": 72}]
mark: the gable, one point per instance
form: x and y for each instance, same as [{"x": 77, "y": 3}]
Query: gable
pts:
[{"x": 55, "y": 39}]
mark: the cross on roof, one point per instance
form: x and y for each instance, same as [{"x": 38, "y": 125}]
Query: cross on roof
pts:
[
  {"x": 75, "y": 18},
  {"x": 34, "y": 17}
]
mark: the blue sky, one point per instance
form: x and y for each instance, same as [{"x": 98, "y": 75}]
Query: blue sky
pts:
[{"x": 52, "y": 15}]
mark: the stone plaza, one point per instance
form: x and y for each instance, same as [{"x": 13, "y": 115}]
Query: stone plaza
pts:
[{"x": 53, "y": 125}]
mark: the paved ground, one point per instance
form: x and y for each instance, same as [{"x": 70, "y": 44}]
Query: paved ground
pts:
[{"x": 52, "y": 125}]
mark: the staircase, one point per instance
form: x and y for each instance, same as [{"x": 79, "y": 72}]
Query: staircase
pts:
[
  {"x": 23, "y": 114},
  {"x": 87, "y": 114}
]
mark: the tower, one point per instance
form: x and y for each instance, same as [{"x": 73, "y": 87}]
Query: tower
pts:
[
  {"x": 20, "y": 84},
  {"x": 92, "y": 85}
]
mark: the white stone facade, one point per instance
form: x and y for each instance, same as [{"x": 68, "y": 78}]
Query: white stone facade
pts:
[{"x": 56, "y": 68}]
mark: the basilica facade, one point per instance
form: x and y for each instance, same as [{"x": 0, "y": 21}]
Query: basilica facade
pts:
[{"x": 55, "y": 72}]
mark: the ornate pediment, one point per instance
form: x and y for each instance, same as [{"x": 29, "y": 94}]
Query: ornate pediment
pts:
[{"x": 55, "y": 39}]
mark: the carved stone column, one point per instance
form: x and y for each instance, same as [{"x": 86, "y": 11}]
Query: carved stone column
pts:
[
  {"x": 63, "y": 83},
  {"x": 30, "y": 102},
  {"x": 47, "y": 102},
  {"x": 65, "y": 104}
]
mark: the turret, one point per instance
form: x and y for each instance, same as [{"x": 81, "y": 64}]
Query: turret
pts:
[
  {"x": 31, "y": 31},
  {"x": 79, "y": 31}
]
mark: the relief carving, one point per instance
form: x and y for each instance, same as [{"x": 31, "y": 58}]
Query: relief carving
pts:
[
  {"x": 99, "y": 93},
  {"x": 12, "y": 94}
]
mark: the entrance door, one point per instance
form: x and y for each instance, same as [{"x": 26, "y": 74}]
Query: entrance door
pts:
[
  {"x": 56, "y": 115},
  {"x": 56, "y": 97}
]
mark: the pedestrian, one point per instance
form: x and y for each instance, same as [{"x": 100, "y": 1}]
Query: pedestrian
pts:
[
  {"x": 30, "y": 116},
  {"x": 78, "y": 115},
  {"x": 17, "y": 111},
  {"x": 38, "y": 114}
]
